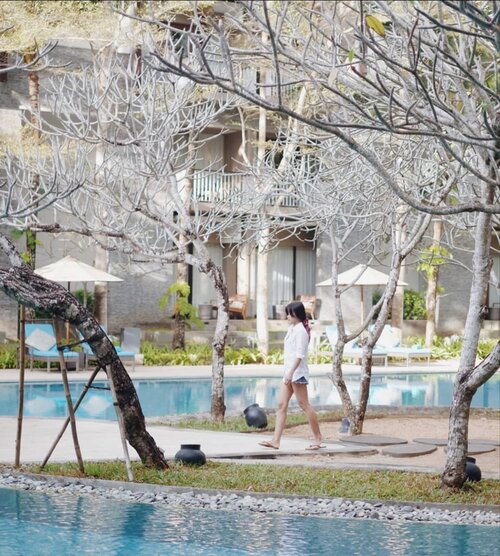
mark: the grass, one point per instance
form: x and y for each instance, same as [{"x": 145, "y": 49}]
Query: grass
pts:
[
  {"x": 292, "y": 480},
  {"x": 238, "y": 424}
]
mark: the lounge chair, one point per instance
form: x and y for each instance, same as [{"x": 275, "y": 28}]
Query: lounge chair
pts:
[
  {"x": 42, "y": 346},
  {"x": 125, "y": 354},
  {"x": 309, "y": 302},
  {"x": 352, "y": 349},
  {"x": 238, "y": 304},
  {"x": 390, "y": 342}
]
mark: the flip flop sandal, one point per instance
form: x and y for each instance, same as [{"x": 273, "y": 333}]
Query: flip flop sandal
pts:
[
  {"x": 313, "y": 447},
  {"x": 267, "y": 444}
]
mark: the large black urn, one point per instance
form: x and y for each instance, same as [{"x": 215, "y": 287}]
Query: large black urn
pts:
[
  {"x": 472, "y": 471},
  {"x": 191, "y": 454},
  {"x": 255, "y": 416}
]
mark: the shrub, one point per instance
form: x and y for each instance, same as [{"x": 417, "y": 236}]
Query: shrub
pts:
[
  {"x": 8, "y": 356},
  {"x": 201, "y": 354},
  {"x": 450, "y": 347},
  {"x": 414, "y": 306}
]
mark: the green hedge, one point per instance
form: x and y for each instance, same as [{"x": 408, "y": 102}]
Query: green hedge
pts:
[
  {"x": 201, "y": 354},
  {"x": 8, "y": 355}
]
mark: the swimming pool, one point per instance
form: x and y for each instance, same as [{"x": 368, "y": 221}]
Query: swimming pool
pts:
[
  {"x": 40, "y": 524},
  {"x": 189, "y": 396}
]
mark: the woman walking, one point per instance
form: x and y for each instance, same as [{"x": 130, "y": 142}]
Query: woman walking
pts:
[{"x": 296, "y": 376}]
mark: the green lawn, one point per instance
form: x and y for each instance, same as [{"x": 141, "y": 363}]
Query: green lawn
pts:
[{"x": 300, "y": 480}]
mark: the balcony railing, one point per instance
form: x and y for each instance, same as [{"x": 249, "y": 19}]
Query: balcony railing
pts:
[{"x": 237, "y": 188}]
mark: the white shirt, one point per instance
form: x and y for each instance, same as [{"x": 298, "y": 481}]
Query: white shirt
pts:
[{"x": 296, "y": 347}]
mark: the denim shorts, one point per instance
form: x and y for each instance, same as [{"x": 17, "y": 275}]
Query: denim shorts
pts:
[{"x": 301, "y": 380}]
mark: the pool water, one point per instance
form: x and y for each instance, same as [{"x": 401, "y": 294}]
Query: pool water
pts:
[
  {"x": 189, "y": 396},
  {"x": 37, "y": 524}
]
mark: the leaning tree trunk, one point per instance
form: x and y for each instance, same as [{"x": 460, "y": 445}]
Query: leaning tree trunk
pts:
[
  {"x": 468, "y": 377},
  {"x": 463, "y": 391},
  {"x": 28, "y": 288}
]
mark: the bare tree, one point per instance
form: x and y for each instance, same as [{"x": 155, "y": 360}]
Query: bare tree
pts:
[
  {"x": 428, "y": 70},
  {"x": 333, "y": 193},
  {"x": 147, "y": 129}
]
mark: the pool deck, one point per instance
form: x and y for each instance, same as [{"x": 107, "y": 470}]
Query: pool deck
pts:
[
  {"x": 100, "y": 440},
  {"x": 205, "y": 371}
]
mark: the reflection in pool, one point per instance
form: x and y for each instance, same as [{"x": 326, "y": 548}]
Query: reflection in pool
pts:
[{"x": 189, "y": 396}]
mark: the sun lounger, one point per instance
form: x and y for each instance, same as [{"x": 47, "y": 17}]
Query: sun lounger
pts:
[
  {"x": 352, "y": 349},
  {"x": 390, "y": 342},
  {"x": 126, "y": 356},
  {"x": 42, "y": 346}
]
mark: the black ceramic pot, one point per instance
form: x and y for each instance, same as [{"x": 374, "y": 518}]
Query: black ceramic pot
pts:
[
  {"x": 191, "y": 454},
  {"x": 472, "y": 471},
  {"x": 255, "y": 416}
]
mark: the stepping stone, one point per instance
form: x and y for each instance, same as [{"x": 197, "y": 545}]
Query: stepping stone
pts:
[
  {"x": 410, "y": 450},
  {"x": 444, "y": 442},
  {"x": 484, "y": 441},
  {"x": 330, "y": 450},
  {"x": 373, "y": 440},
  {"x": 479, "y": 448},
  {"x": 433, "y": 441},
  {"x": 475, "y": 448}
]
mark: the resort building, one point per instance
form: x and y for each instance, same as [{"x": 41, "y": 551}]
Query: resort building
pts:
[{"x": 295, "y": 266}]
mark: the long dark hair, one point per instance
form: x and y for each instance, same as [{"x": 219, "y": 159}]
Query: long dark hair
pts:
[{"x": 296, "y": 309}]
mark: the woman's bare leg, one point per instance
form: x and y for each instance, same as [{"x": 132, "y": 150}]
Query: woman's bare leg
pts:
[
  {"x": 300, "y": 391},
  {"x": 286, "y": 393}
]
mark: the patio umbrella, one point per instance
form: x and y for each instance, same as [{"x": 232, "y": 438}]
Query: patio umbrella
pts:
[
  {"x": 68, "y": 269},
  {"x": 361, "y": 275}
]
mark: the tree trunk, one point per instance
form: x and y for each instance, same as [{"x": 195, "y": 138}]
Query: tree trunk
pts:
[
  {"x": 204, "y": 264},
  {"x": 337, "y": 375},
  {"x": 432, "y": 288},
  {"x": 179, "y": 337},
  {"x": 34, "y": 97},
  {"x": 218, "y": 407},
  {"x": 458, "y": 431},
  {"x": 261, "y": 296},
  {"x": 101, "y": 288},
  {"x": 20, "y": 283},
  {"x": 468, "y": 378}
]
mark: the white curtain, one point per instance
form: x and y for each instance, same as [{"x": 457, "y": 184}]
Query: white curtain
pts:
[
  {"x": 203, "y": 289},
  {"x": 305, "y": 272},
  {"x": 280, "y": 276}
]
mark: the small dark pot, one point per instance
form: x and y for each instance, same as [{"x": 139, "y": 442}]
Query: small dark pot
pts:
[
  {"x": 255, "y": 416},
  {"x": 191, "y": 454},
  {"x": 472, "y": 471},
  {"x": 344, "y": 425}
]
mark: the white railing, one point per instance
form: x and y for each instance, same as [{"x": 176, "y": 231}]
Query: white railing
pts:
[{"x": 234, "y": 187}]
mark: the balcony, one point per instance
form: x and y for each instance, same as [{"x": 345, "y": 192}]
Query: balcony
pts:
[{"x": 235, "y": 188}]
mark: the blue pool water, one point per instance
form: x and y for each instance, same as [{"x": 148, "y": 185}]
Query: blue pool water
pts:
[
  {"x": 38, "y": 524},
  {"x": 189, "y": 396}
]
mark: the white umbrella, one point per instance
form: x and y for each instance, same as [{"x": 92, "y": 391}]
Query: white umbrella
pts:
[
  {"x": 69, "y": 269},
  {"x": 361, "y": 275}
]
